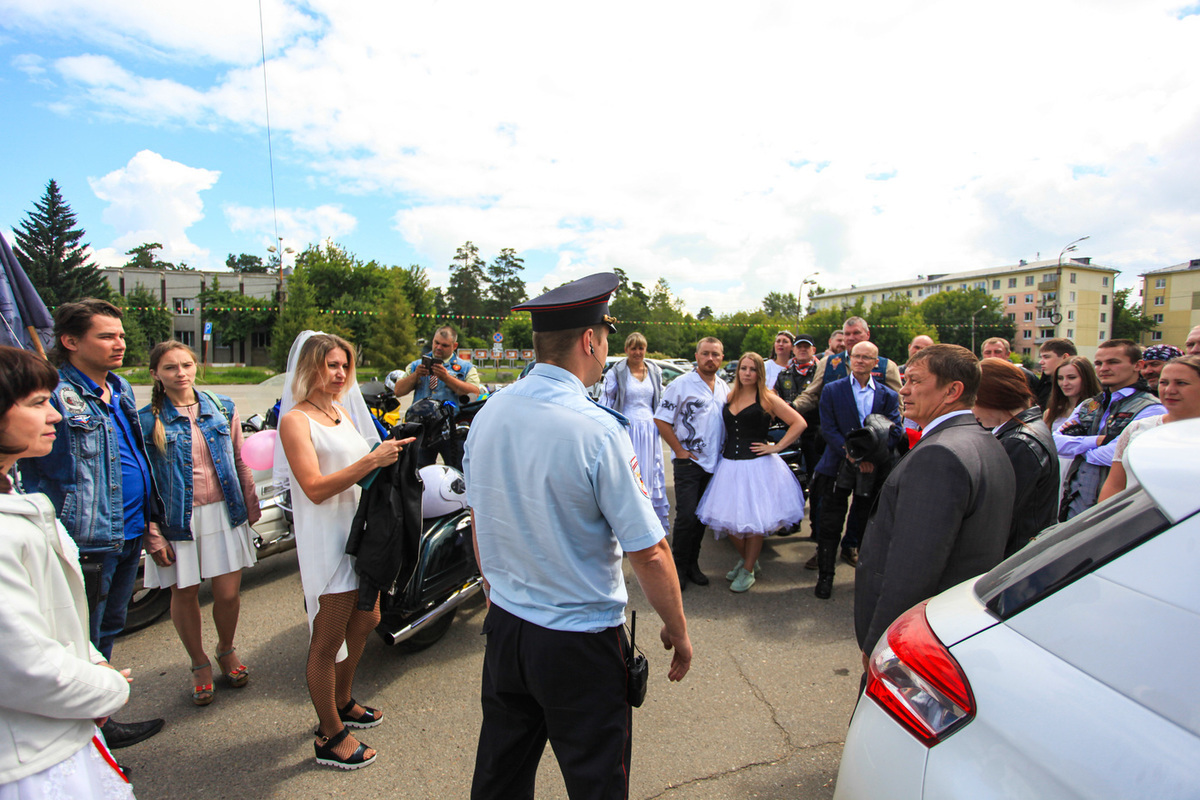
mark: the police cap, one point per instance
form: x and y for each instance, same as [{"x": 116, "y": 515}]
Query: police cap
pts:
[{"x": 574, "y": 305}]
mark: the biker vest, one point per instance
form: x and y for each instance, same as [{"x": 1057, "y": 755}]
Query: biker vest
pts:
[{"x": 838, "y": 367}]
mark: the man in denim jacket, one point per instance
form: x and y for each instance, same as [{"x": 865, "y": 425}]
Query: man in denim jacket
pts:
[{"x": 98, "y": 474}]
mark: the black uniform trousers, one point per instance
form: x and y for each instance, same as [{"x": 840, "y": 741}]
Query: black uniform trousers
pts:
[
  {"x": 834, "y": 503},
  {"x": 564, "y": 686},
  {"x": 688, "y": 534}
]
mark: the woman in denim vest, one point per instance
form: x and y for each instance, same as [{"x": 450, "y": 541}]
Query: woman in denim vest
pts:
[{"x": 210, "y": 505}]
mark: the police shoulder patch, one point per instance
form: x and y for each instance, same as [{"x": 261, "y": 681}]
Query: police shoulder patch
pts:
[{"x": 637, "y": 474}]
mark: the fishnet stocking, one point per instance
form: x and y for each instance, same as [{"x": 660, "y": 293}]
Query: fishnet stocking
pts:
[{"x": 330, "y": 683}]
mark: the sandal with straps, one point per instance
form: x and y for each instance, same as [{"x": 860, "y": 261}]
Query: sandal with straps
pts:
[
  {"x": 238, "y": 677},
  {"x": 369, "y": 719},
  {"x": 325, "y": 756},
  {"x": 202, "y": 695}
]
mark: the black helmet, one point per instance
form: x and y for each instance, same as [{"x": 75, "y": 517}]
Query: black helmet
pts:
[
  {"x": 436, "y": 420},
  {"x": 870, "y": 442}
]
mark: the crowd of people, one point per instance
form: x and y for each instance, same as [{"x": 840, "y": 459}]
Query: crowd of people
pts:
[{"x": 916, "y": 484}]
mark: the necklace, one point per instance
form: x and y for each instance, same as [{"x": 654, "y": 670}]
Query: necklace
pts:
[{"x": 336, "y": 420}]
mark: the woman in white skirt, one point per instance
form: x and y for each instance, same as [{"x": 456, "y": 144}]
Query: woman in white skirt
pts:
[
  {"x": 55, "y": 687},
  {"x": 326, "y": 435},
  {"x": 752, "y": 493},
  {"x": 633, "y": 387},
  {"x": 210, "y": 504}
]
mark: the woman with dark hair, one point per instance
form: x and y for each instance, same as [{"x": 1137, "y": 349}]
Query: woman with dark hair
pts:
[
  {"x": 1179, "y": 392},
  {"x": 1074, "y": 381},
  {"x": 633, "y": 387},
  {"x": 752, "y": 493},
  {"x": 210, "y": 503},
  {"x": 55, "y": 687},
  {"x": 328, "y": 450},
  {"x": 1004, "y": 403}
]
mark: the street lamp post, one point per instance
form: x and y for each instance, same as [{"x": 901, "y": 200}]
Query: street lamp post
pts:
[
  {"x": 280, "y": 250},
  {"x": 1055, "y": 316},
  {"x": 981, "y": 308},
  {"x": 807, "y": 280}
]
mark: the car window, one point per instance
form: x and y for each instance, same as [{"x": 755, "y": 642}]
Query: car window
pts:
[{"x": 1070, "y": 550}]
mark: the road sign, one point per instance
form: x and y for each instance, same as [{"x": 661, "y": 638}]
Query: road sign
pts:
[
  {"x": 464, "y": 354},
  {"x": 481, "y": 354},
  {"x": 527, "y": 355},
  {"x": 511, "y": 354},
  {"x": 497, "y": 337},
  {"x": 208, "y": 331}
]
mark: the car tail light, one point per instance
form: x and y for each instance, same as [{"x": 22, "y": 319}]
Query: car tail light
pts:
[{"x": 915, "y": 679}]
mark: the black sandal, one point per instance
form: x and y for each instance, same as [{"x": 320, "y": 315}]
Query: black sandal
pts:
[
  {"x": 369, "y": 719},
  {"x": 325, "y": 755}
]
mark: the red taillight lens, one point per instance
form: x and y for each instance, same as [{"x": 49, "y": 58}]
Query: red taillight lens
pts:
[{"x": 915, "y": 679}]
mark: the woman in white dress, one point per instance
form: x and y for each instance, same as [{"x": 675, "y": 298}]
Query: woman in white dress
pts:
[
  {"x": 1074, "y": 381},
  {"x": 1179, "y": 392},
  {"x": 210, "y": 503},
  {"x": 752, "y": 493},
  {"x": 633, "y": 387},
  {"x": 55, "y": 687},
  {"x": 326, "y": 457}
]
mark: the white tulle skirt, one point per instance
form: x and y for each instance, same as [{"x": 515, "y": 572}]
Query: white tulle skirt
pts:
[
  {"x": 216, "y": 548},
  {"x": 751, "y": 497},
  {"x": 87, "y": 775}
]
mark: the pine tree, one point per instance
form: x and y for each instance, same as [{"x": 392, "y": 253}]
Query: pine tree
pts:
[
  {"x": 465, "y": 294},
  {"x": 49, "y": 250},
  {"x": 393, "y": 341},
  {"x": 506, "y": 288}
]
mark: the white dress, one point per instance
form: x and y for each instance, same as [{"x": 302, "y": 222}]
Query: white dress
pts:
[
  {"x": 647, "y": 445},
  {"x": 322, "y": 529}
]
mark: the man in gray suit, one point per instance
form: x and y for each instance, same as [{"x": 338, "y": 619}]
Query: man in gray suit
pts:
[{"x": 943, "y": 514}]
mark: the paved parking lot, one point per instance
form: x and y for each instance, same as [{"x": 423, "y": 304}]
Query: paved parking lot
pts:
[{"x": 762, "y": 713}]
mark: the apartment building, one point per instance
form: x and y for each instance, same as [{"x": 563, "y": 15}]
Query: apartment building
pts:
[
  {"x": 1044, "y": 299},
  {"x": 1171, "y": 296},
  {"x": 178, "y": 290}
]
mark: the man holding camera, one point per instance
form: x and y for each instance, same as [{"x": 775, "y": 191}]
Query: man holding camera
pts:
[{"x": 442, "y": 375}]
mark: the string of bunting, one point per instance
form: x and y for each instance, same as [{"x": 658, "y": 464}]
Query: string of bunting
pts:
[{"x": 638, "y": 323}]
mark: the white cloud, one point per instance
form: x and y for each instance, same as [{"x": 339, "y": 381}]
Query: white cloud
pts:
[
  {"x": 297, "y": 226},
  {"x": 730, "y": 149},
  {"x": 153, "y": 199}
]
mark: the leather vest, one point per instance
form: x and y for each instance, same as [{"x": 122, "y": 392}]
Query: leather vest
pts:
[{"x": 838, "y": 367}]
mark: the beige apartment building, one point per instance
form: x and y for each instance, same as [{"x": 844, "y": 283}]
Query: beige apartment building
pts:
[
  {"x": 1044, "y": 299},
  {"x": 178, "y": 290},
  {"x": 1171, "y": 296}
]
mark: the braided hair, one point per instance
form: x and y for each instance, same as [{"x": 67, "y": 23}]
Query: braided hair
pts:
[{"x": 158, "y": 392}]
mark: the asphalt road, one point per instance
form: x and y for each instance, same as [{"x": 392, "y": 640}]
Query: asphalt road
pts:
[{"x": 762, "y": 714}]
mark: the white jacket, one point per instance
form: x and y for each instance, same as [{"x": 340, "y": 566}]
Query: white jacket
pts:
[{"x": 51, "y": 683}]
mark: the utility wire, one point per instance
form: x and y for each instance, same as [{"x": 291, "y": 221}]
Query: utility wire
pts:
[{"x": 267, "y": 105}]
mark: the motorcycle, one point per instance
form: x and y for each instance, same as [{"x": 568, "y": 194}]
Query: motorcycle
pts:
[{"x": 443, "y": 573}]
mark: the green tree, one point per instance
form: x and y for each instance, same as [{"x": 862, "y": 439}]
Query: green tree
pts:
[
  {"x": 1129, "y": 322},
  {"x": 234, "y": 315},
  {"x": 50, "y": 249},
  {"x": 146, "y": 324},
  {"x": 465, "y": 294},
  {"x": 392, "y": 343},
  {"x": 298, "y": 314},
  {"x": 760, "y": 339},
  {"x": 505, "y": 287},
  {"x": 630, "y": 302},
  {"x": 518, "y": 331},
  {"x": 894, "y": 322},
  {"x": 422, "y": 298},
  {"x": 779, "y": 305},
  {"x": 950, "y": 313},
  {"x": 705, "y": 313},
  {"x": 246, "y": 263},
  {"x": 349, "y": 291}
]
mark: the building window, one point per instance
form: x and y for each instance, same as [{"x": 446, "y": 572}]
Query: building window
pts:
[
  {"x": 996, "y": 284},
  {"x": 1026, "y": 334},
  {"x": 1160, "y": 283},
  {"x": 1028, "y": 298},
  {"x": 1158, "y": 318},
  {"x": 981, "y": 285},
  {"x": 1070, "y": 316},
  {"x": 1072, "y": 277},
  {"x": 964, "y": 287},
  {"x": 1029, "y": 316},
  {"x": 1104, "y": 281},
  {"x": 1070, "y": 333},
  {"x": 909, "y": 293},
  {"x": 1101, "y": 336},
  {"x": 1049, "y": 276},
  {"x": 184, "y": 305},
  {"x": 1156, "y": 336},
  {"x": 1103, "y": 299},
  {"x": 1012, "y": 283},
  {"x": 1029, "y": 280},
  {"x": 186, "y": 337},
  {"x": 1046, "y": 333},
  {"x": 1160, "y": 300},
  {"x": 1012, "y": 317},
  {"x": 260, "y": 340},
  {"x": 1103, "y": 317},
  {"x": 1012, "y": 299},
  {"x": 1072, "y": 297},
  {"x": 1024, "y": 351}
]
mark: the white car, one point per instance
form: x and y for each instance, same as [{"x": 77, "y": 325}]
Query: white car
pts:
[{"x": 1068, "y": 671}]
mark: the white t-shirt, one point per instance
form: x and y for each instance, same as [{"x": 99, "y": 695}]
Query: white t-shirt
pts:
[{"x": 694, "y": 412}]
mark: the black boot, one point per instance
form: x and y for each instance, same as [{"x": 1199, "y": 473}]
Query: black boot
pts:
[
  {"x": 681, "y": 572},
  {"x": 826, "y": 565}
]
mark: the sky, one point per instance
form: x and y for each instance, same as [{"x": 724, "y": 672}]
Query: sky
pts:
[{"x": 732, "y": 149}]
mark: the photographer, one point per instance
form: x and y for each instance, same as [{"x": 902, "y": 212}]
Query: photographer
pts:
[{"x": 440, "y": 374}]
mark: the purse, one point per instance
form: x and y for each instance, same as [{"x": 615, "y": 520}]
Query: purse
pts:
[{"x": 637, "y": 667}]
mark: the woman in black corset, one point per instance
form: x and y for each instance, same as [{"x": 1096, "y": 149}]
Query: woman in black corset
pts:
[{"x": 752, "y": 493}]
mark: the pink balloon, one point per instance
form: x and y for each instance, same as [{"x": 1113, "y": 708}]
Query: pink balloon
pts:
[{"x": 258, "y": 450}]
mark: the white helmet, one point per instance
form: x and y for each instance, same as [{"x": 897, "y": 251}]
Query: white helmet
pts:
[{"x": 445, "y": 491}]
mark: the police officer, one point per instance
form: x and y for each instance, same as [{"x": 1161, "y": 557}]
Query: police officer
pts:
[{"x": 556, "y": 498}]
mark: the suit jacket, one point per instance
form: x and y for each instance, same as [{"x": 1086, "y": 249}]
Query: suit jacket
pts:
[
  {"x": 839, "y": 416},
  {"x": 811, "y": 396},
  {"x": 942, "y": 517}
]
